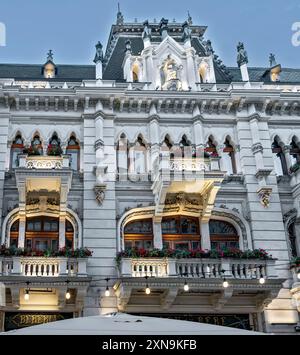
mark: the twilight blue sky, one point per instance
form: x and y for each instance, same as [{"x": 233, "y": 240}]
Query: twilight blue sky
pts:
[{"x": 72, "y": 27}]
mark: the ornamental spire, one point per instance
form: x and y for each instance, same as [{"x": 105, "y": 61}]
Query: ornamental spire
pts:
[
  {"x": 120, "y": 17},
  {"x": 50, "y": 55}
]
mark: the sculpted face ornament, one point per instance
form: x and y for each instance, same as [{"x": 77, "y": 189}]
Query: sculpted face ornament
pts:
[
  {"x": 100, "y": 193},
  {"x": 264, "y": 195}
]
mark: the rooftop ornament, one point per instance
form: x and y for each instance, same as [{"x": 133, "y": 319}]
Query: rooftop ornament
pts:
[
  {"x": 187, "y": 32},
  {"x": 120, "y": 17},
  {"x": 272, "y": 60},
  {"x": 242, "y": 57},
  {"x": 99, "y": 53},
  {"x": 50, "y": 55},
  {"x": 147, "y": 30},
  {"x": 128, "y": 48},
  {"x": 163, "y": 25},
  {"x": 208, "y": 47}
]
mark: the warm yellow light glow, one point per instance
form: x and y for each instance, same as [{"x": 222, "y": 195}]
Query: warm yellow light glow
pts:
[
  {"x": 148, "y": 291},
  {"x": 186, "y": 287},
  {"x": 262, "y": 280},
  {"x": 225, "y": 284},
  {"x": 68, "y": 295},
  {"x": 298, "y": 275},
  {"x": 26, "y": 296},
  {"x": 107, "y": 293}
]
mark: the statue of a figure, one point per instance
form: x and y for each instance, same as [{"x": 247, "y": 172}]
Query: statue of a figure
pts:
[
  {"x": 99, "y": 53},
  {"x": 242, "y": 57},
  {"x": 147, "y": 30},
  {"x": 163, "y": 25},
  {"x": 208, "y": 47},
  {"x": 50, "y": 55},
  {"x": 128, "y": 46},
  {"x": 170, "y": 75},
  {"x": 187, "y": 32},
  {"x": 272, "y": 60},
  {"x": 190, "y": 20}
]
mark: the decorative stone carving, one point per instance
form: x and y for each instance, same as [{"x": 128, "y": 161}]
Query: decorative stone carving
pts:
[
  {"x": 289, "y": 214},
  {"x": 147, "y": 30},
  {"x": 264, "y": 194},
  {"x": 272, "y": 60},
  {"x": 208, "y": 47},
  {"x": 257, "y": 147},
  {"x": 100, "y": 193},
  {"x": 44, "y": 163},
  {"x": 128, "y": 48},
  {"x": 187, "y": 32},
  {"x": 163, "y": 25},
  {"x": 99, "y": 53},
  {"x": 242, "y": 57},
  {"x": 263, "y": 173}
]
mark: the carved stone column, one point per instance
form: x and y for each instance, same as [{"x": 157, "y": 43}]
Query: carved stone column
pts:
[
  {"x": 157, "y": 233},
  {"x": 205, "y": 236},
  {"x": 22, "y": 229}
]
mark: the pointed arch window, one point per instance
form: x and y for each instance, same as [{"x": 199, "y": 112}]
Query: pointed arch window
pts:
[
  {"x": 138, "y": 157},
  {"x": 294, "y": 152},
  {"x": 279, "y": 159},
  {"x": 17, "y": 148},
  {"x": 36, "y": 147},
  {"x": 229, "y": 158},
  {"x": 211, "y": 148},
  {"x": 73, "y": 150},
  {"x": 122, "y": 156},
  {"x": 54, "y": 147}
]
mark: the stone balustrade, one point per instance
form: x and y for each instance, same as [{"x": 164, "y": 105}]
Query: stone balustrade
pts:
[
  {"x": 42, "y": 266},
  {"x": 44, "y": 162},
  {"x": 242, "y": 269}
]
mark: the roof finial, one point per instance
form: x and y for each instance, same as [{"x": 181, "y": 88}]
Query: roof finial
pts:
[
  {"x": 272, "y": 60},
  {"x": 190, "y": 20},
  {"x": 120, "y": 17},
  {"x": 50, "y": 55}
]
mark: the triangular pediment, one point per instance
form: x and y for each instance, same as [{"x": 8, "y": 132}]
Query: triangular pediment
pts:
[{"x": 170, "y": 46}]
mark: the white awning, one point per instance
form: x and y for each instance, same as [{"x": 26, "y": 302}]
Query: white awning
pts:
[{"x": 124, "y": 324}]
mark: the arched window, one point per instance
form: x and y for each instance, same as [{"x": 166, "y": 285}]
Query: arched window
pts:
[
  {"x": 14, "y": 234},
  {"x": 203, "y": 68},
  {"x": 135, "y": 72},
  {"x": 211, "y": 148},
  {"x": 73, "y": 150},
  {"x": 185, "y": 146},
  {"x": 17, "y": 148},
  {"x": 36, "y": 147},
  {"x": 122, "y": 155},
  {"x": 138, "y": 157},
  {"x": 138, "y": 234},
  {"x": 229, "y": 158},
  {"x": 69, "y": 236},
  {"x": 54, "y": 148},
  {"x": 294, "y": 152},
  {"x": 223, "y": 235},
  {"x": 180, "y": 232},
  {"x": 292, "y": 240},
  {"x": 279, "y": 159}
]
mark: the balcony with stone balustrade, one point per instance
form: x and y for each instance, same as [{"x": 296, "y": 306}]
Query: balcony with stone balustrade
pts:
[{"x": 205, "y": 278}]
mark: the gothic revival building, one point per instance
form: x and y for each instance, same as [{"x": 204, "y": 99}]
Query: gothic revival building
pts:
[{"x": 179, "y": 174}]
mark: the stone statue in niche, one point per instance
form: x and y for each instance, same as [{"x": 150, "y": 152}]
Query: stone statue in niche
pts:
[{"x": 170, "y": 75}]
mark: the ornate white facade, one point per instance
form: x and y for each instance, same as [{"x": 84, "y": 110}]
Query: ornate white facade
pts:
[{"x": 89, "y": 158}]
